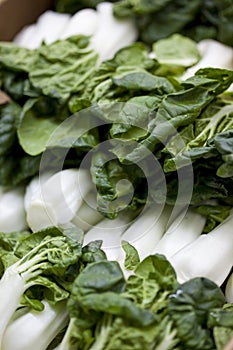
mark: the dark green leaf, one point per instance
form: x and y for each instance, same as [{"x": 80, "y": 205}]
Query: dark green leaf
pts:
[{"x": 189, "y": 307}]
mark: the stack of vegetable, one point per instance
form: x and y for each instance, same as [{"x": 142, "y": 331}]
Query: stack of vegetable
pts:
[{"x": 116, "y": 174}]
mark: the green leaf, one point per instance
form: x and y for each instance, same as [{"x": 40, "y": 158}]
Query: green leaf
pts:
[
  {"x": 115, "y": 183},
  {"x": 16, "y": 58},
  {"x": 50, "y": 290},
  {"x": 182, "y": 108},
  {"x": 189, "y": 307},
  {"x": 92, "y": 252},
  {"x": 132, "y": 258},
  {"x": 35, "y": 131},
  {"x": 142, "y": 81},
  {"x": 115, "y": 304},
  {"x": 157, "y": 267},
  {"x": 60, "y": 78},
  {"x": 9, "y": 116},
  {"x": 221, "y": 320},
  {"x": 214, "y": 214},
  {"x": 99, "y": 277},
  {"x": 177, "y": 50},
  {"x": 195, "y": 19}
]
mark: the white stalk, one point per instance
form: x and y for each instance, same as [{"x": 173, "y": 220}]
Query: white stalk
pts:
[
  {"x": 34, "y": 187},
  {"x": 12, "y": 286},
  {"x": 111, "y": 34},
  {"x": 12, "y": 213},
  {"x": 36, "y": 329},
  {"x": 25, "y": 36},
  {"x": 184, "y": 230},
  {"x": 147, "y": 229},
  {"x": 110, "y": 232},
  {"x": 58, "y": 198},
  {"x": 210, "y": 255},
  {"x": 87, "y": 215},
  {"x": 83, "y": 22},
  {"x": 50, "y": 25},
  {"x": 48, "y": 28}
]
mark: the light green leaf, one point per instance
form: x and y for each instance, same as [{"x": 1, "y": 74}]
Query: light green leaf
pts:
[
  {"x": 177, "y": 50},
  {"x": 132, "y": 258},
  {"x": 34, "y": 132}
]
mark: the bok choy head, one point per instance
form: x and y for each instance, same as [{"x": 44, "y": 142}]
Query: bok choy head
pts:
[{"x": 43, "y": 266}]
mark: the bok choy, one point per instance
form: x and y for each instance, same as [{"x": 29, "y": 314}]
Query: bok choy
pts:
[
  {"x": 41, "y": 260},
  {"x": 149, "y": 310}
]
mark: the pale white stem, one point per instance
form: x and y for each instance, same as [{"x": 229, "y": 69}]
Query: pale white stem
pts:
[
  {"x": 84, "y": 22},
  {"x": 11, "y": 288},
  {"x": 210, "y": 255},
  {"x": 111, "y": 34},
  {"x": 58, "y": 198},
  {"x": 12, "y": 212},
  {"x": 25, "y": 38},
  {"x": 48, "y": 28},
  {"x": 184, "y": 230},
  {"x": 147, "y": 229},
  {"x": 87, "y": 215},
  {"x": 36, "y": 329},
  {"x": 34, "y": 187},
  {"x": 65, "y": 344},
  {"x": 110, "y": 232}
]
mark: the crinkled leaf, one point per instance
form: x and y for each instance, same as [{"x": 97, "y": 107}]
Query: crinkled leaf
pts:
[
  {"x": 16, "y": 58},
  {"x": 158, "y": 268},
  {"x": 189, "y": 307},
  {"x": 59, "y": 78},
  {"x": 132, "y": 258}
]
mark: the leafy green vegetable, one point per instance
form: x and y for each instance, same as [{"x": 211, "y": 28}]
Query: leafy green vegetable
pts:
[
  {"x": 41, "y": 266},
  {"x": 106, "y": 311},
  {"x": 19, "y": 58},
  {"x": 196, "y": 19},
  {"x": 149, "y": 309},
  {"x": 38, "y": 266},
  {"x": 183, "y": 107},
  {"x": 15, "y": 165},
  {"x": 166, "y": 125},
  {"x": 32, "y": 142},
  {"x": 189, "y": 307},
  {"x": 134, "y": 105},
  {"x": 66, "y": 75},
  {"x": 114, "y": 182},
  {"x": 40, "y": 107},
  {"x": 221, "y": 320}
]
